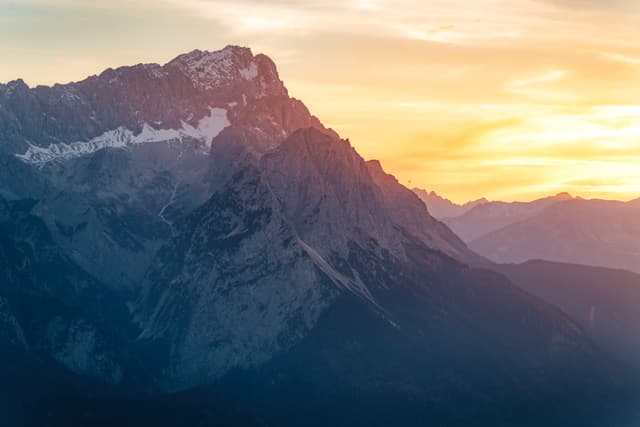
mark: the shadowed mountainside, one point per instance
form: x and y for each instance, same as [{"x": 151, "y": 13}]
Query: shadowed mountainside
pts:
[{"x": 187, "y": 238}]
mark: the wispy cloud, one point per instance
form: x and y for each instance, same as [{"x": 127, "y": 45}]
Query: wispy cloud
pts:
[
  {"x": 618, "y": 57},
  {"x": 534, "y": 87},
  {"x": 616, "y": 5},
  {"x": 438, "y": 90},
  {"x": 454, "y": 21}
]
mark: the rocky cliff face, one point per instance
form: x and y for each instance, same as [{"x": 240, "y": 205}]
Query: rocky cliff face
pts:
[
  {"x": 191, "y": 97},
  {"x": 264, "y": 257},
  {"x": 302, "y": 244},
  {"x": 121, "y": 156},
  {"x": 49, "y": 307},
  {"x": 198, "y": 217}
]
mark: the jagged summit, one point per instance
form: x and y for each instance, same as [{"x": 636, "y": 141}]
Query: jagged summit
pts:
[
  {"x": 194, "y": 61},
  {"x": 14, "y": 84},
  {"x": 190, "y": 224},
  {"x": 441, "y": 207},
  {"x": 210, "y": 70},
  {"x": 227, "y": 51},
  {"x": 563, "y": 196},
  {"x": 189, "y": 99}
]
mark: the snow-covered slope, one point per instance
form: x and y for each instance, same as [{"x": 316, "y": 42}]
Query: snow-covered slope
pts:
[
  {"x": 208, "y": 128},
  {"x": 149, "y": 102}
]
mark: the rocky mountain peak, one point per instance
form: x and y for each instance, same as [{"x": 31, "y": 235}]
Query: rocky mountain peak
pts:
[
  {"x": 190, "y": 225},
  {"x": 443, "y": 208},
  {"x": 190, "y": 99},
  {"x": 375, "y": 166},
  {"x": 562, "y": 196},
  {"x": 13, "y": 87},
  {"x": 325, "y": 186},
  {"x": 232, "y": 65}
]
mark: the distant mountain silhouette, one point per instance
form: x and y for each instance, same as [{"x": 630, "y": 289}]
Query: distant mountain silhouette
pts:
[
  {"x": 492, "y": 216},
  {"x": 442, "y": 208},
  {"x": 591, "y": 232}
]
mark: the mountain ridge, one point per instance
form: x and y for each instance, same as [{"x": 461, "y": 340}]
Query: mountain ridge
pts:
[
  {"x": 594, "y": 232},
  {"x": 278, "y": 260},
  {"x": 159, "y": 97},
  {"x": 488, "y": 217},
  {"x": 443, "y": 208}
]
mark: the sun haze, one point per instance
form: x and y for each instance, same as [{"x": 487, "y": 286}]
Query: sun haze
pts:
[{"x": 491, "y": 98}]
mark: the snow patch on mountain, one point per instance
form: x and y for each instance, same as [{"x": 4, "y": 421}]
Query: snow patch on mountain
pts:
[
  {"x": 250, "y": 72},
  {"x": 155, "y": 71},
  {"x": 208, "y": 128},
  {"x": 211, "y": 70}
]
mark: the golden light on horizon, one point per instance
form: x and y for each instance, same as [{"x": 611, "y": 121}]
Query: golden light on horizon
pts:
[{"x": 504, "y": 100}]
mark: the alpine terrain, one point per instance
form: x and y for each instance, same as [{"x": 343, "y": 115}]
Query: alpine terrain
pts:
[{"x": 185, "y": 244}]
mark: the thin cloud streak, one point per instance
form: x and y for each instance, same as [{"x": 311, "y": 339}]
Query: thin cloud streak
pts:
[
  {"x": 531, "y": 86},
  {"x": 453, "y": 21},
  {"x": 617, "y": 57}
]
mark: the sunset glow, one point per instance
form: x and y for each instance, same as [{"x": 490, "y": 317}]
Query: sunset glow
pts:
[{"x": 491, "y": 98}]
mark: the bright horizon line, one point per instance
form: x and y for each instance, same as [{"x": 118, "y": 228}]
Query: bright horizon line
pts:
[
  {"x": 506, "y": 101},
  {"x": 529, "y": 200},
  {"x": 517, "y": 199}
]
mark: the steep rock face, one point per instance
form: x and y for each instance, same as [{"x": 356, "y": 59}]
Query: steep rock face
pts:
[
  {"x": 269, "y": 258},
  {"x": 296, "y": 272},
  {"x": 456, "y": 364},
  {"x": 128, "y": 163},
  {"x": 113, "y": 209},
  {"x": 264, "y": 234},
  {"x": 116, "y": 160},
  {"x": 178, "y": 95},
  {"x": 408, "y": 211},
  {"x": 34, "y": 263},
  {"x": 234, "y": 282},
  {"x": 36, "y": 278}
]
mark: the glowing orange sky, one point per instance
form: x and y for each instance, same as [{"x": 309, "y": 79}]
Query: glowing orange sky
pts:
[{"x": 504, "y": 99}]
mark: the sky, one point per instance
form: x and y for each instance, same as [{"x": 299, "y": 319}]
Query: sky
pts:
[{"x": 504, "y": 99}]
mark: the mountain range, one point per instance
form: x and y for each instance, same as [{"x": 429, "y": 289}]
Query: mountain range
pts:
[
  {"x": 442, "y": 208},
  {"x": 187, "y": 242},
  {"x": 590, "y": 232},
  {"x": 493, "y": 216},
  {"x": 559, "y": 228}
]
